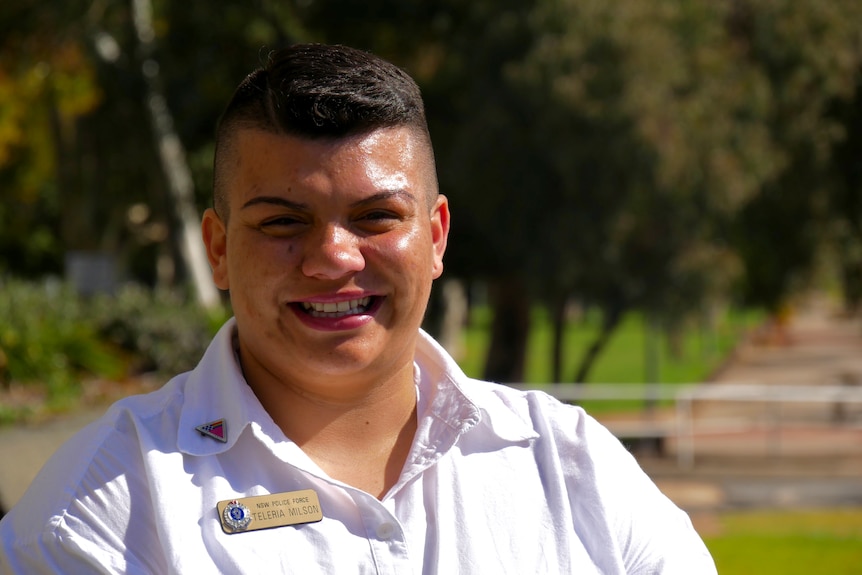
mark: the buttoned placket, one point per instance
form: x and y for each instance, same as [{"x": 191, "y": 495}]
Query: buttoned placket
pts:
[{"x": 386, "y": 536}]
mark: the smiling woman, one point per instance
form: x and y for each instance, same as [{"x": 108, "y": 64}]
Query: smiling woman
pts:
[{"x": 328, "y": 231}]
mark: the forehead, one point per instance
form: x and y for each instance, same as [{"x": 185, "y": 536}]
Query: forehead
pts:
[{"x": 387, "y": 157}]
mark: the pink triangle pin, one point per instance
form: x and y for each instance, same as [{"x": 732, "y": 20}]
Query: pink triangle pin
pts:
[{"x": 215, "y": 429}]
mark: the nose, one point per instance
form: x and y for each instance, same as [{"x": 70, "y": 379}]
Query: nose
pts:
[{"x": 333, "y": 253}]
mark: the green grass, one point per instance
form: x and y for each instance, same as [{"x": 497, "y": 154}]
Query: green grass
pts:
[
  {"x": 624, "y": 359},
  {"x": 789, "y": 542}
]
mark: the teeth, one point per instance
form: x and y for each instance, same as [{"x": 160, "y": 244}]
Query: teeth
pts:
[{"x": 337, "y": 309}]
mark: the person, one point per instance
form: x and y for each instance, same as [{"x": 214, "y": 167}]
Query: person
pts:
[{"x": 323, "y": 431}]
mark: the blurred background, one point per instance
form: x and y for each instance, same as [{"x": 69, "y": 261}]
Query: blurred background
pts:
[{"x": 657, "y": 213}]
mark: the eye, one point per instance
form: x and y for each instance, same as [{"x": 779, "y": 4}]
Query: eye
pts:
[
  {"x": 377, "y": 221},
  {"x": 281, "y": 221},
  {"x": 376, "y": 215},
  {"x": 281, "y": 225}
]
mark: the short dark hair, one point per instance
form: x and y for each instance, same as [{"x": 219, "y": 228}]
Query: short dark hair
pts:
[{"x": 318, "y": 91}]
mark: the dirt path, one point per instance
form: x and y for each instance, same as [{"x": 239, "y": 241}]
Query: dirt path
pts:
[{"x": 819, "y": 346}]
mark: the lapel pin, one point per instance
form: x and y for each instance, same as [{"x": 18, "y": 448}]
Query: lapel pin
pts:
[{"x": 215, "y": 429}]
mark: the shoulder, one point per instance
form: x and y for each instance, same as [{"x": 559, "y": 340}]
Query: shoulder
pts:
[
  {"x": 84, "y": 495},
  {"x": 110, "y": 442},
  {"x": 620, "y": 512}
]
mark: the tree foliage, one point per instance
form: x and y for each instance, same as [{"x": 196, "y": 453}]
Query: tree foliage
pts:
[
  {"x": 629, "y": 155},
  {"x": 46, "y": 84},
  {"x": 808, "y": 56}
]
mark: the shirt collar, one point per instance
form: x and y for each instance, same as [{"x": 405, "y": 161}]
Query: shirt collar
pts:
[
  {"x": 463, "y": 403},
  {"x": 216, "y": 390}
]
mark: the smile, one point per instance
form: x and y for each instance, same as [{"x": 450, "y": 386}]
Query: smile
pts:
[{"x": 337, "y": 309}]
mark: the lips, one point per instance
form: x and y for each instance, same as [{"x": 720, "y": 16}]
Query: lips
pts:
[{"x": 332, "y": 310}]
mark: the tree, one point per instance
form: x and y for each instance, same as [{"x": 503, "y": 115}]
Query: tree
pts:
[
  {"x": 47, "y": 84},
  {"x": 645, "y": 127},
  {"x": 808, "y": 56},
  {"x": 173, "y": 160},
  {"x": 846, "y": 194}
]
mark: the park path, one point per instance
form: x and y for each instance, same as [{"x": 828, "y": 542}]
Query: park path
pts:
[
  {"x": 805, "y": 454},
  {"x": 819, "y": 346},
  {"x": 816, "y": 466}
]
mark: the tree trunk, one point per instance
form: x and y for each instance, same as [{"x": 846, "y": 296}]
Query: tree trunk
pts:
[
  {"x": 173, "y": 160},
  {"x": 652, "y": 348},
  {"x": 652, "y": 356},
  {"x": 558, "y": 319},
  {"x": 611, "y": 317},
  {"x": 455, "y": 311},
  {"x": 77, "y": 223},
  {"x": 509, "y": 330},
  {"x": 850, "y": 256}
]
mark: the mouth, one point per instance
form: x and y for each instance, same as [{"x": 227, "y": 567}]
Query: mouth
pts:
[{"x": 333, "y": 310}]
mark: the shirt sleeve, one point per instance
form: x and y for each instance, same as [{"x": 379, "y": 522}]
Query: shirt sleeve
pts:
[
  {"x": 652, "y": 535},
  {"x": 87, "y": 511},
  {"x": 56, "y": 551}
]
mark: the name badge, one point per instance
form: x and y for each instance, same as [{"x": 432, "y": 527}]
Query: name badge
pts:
[{"x": 267, "y": 511}]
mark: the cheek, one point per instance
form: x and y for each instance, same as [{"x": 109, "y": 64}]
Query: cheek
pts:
[
  {"x": 407, "y": 259},
  {"x": 256, "y": 266},
  {"x": 406, "y": 251},
  {"x": 405, "y": 244}
]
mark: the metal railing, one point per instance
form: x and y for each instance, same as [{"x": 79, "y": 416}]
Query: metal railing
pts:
[{"x": 684, "y": 430}]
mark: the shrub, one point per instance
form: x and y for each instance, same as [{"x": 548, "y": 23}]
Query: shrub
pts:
[
  {"x": 47, "y": 337},
  {"x": 52, "y": 339},
  {"x": 162, "y": 331}
]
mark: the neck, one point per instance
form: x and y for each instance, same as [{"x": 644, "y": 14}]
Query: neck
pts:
[{"x": 361, "y": 439}]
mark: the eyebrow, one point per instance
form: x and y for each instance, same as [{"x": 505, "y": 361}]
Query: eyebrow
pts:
[
  {"x": 274, "y": 201},
  {"x": 285, "y": 203},
  {"x": 384, "y": 195}
]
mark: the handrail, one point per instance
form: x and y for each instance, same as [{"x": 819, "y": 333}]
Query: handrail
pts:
[
  {"x": 685, "y": 395},
  {"x": 606, "y": 391}
]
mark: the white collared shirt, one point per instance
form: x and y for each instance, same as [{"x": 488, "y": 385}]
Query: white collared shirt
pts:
[{"x": 498, "y": 481}]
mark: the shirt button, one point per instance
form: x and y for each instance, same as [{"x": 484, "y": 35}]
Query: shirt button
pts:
[{"x": 385, "y": 530}]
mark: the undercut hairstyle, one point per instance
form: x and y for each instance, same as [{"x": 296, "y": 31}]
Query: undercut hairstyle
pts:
[{"x": 318, "y": 91}]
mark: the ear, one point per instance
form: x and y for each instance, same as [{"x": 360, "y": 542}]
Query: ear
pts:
[
  {"x": 439, "y": 232},
  {"x": 215, "y": 240}
]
